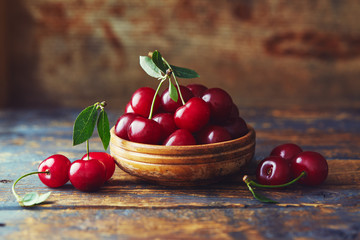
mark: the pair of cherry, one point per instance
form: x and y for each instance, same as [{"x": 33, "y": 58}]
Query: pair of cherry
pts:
[
  {"x": 86, "y": 174},
  {"x": 288, "y": 161},
  {"x": 199, "y": 116}
]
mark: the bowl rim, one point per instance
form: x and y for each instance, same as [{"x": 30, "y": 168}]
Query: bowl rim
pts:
[{"x": 243, "y": 140}]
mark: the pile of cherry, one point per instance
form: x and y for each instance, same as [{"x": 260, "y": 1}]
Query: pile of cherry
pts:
[
  {"x": 208, "y": 116},
  {"x": 288, "y": 161},
  {"x": 86, "y": 174}
]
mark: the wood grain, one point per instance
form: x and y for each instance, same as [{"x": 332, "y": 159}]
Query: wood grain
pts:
[{"x": 130, "y": 208}]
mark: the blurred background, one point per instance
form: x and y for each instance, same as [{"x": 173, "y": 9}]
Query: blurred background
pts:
[{"x": 57, "y": 53}]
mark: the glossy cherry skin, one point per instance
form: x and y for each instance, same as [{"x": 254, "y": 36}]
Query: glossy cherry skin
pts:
[
  {"x": 167, "y": 122},
  {"x": 106, "y": 159},
  {"x": 273, "y": 170},
  {"x": 315, "y": 166},
  {"x": 180, "y": 137},
  {"x": 287, "y": 151},
  {"x": 123, "y": 123},
  {"x": 169, "y": 105},
  {"x": 58, "y": 166},
  {"x": 87, "y": 175},
  {"x": 142, "y": 99},
  {"x": 128, "y": 108},
  {"x": 213, "y": 134},
  {"x": 197, "y": 89},
  {"x": 193, "y": 116},
  {"x": 236, "y": 127},
  {"x": 220, "y": 103},
  {"x": 144, "y": 130}
]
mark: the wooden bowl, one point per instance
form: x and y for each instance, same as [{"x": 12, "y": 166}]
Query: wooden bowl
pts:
[{"x": 183, "y": 165}]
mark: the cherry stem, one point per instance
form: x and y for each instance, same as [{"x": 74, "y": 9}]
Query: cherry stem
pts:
[
  {"x": 255, "y": 184},
  {"x": 154, "y": 98},
  {"x": 18, "y": 198},
  {"x": 176, "y": 82},
  {"x": 88, "y": 149}
]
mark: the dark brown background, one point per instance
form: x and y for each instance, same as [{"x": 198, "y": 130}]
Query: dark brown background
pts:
[{"x": 73, "y": 53}]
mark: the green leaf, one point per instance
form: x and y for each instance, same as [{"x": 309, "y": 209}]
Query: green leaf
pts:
[
  {"x": 173, "y": 92},
  {"x": 260, "y": 197},
  {"x": 158, "y": 60},
  {"x": 149, "y": 67},
  {"x": 184, "y": 72},
  {"x": 85, "y": 124},
  {"x": 103, "y": 128},
  {"x": 33, "y": 198}
]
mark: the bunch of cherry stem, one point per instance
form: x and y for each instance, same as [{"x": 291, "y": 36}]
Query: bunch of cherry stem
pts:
[{"x": 167, "y": 76}]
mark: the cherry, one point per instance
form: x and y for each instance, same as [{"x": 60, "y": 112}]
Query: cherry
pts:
[
  {"x": 213, "y": 134},
  {"x": 87, "y": 175},
  {"x": 193, "y": 116},
  {"x": 220, "y": 103},
  {"x": 144, "y": 130},
  {"x": 273, "y": 170},
  {"x": 58, "y": 166},
  {"x": 128, "y": 108},
  {"x": 179, "y": 138},
  {"x": 315, "y": 166},
  {"x": 106, "y": 159},
  {"x": 123, "y": 123},
  {"x": 197, "y": 89},
  {"x": 287, "y": 151},
  {"x": 167, "y": 122},
  {"x": 234, "y": 113},
  {"x": 142, "y": 99},
  {"x": 169, "y": 105},
  {"x": 236, "y": 127}
]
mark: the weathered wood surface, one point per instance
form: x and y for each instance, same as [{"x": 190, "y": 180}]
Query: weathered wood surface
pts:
[{"x": 128, "y": 208}]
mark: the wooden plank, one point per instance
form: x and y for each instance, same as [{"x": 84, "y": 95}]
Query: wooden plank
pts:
[{"x": 129, "y": 208}]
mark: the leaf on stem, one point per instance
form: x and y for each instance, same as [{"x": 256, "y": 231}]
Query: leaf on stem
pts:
[
  {"x": 184, "y": 72},
  {"x": 103, "y": 128},
  {"x": 173, "y": 92},
  {"x": 84, "y": 125},
  {"x": 158, "y": 60},
  {"x": 149, "y": 67},
  {"x": 33, "y": 198},
  {"x": 260, "y": 197}
]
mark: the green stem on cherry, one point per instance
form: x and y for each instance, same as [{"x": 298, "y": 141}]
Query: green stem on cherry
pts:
[
  {"x": 29, "y": 199},
  {"x": 87, "y": 149},
  {"x": 154, "y": 98},
  {"x": 251, "y": 183},
  {"x": 176, "y": 82}
]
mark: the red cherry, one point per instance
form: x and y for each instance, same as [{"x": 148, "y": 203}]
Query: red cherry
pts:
[
  {"x": 106, "y": 159},
  {"x": 315, "y": 166},
  {"x": 234, "y": 113},
  {"x": 144, "y": 130},
  {"x": 169, "y": 105},
  {"x": 167, "y": 122},
  {"x": 87, "y": 175},
  {"x": 273, "y": 170},
  {"x": 197, "y": 89},
  {"x": 58, "y": 166},
  {"x": 123, "y": 123},
  {"x": 180, "y": 137},
  {"x": 142, "y": 99},
  {"x": 213, "y": 134},
  {"x": 128, "y": 108},
  {"x": 220, "y": 103},
  {"x": 193, "y": 116},
  {"x": 287, "y": 151},
  {"x": 236, "y": 127}
]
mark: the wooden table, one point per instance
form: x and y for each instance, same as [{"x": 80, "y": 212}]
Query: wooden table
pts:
[{"x": 129, "y": 208}]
